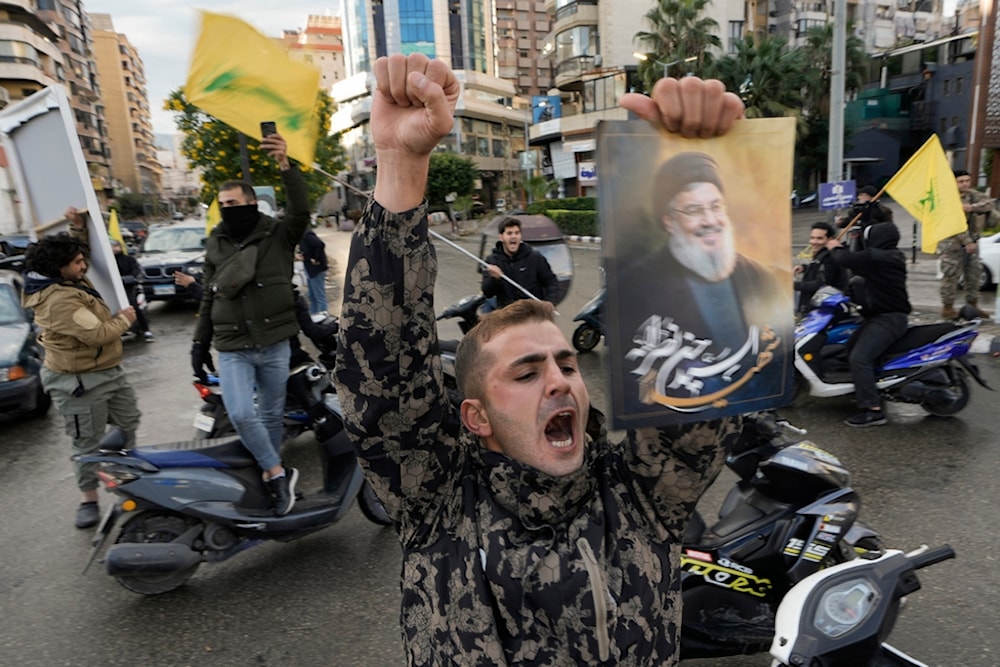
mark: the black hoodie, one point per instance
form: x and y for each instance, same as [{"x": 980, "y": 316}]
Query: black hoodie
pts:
[{"x": 883, "y": 267}]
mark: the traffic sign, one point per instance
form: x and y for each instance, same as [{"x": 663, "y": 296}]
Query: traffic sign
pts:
[{"x": 840, "y": 194}]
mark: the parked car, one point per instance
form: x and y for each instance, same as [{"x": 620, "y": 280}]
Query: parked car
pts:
[
  {"x": 21, "y": 356},
  {"x": 169, "y": 248},
  {"x": 989, "y": 262},
  {"x": 989, "y": 256},
  {"x": 12, "y": 249}
]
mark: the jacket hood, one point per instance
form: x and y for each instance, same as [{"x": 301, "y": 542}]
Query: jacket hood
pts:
[
  {"x": 35, "y": 282},
  {"x": 883, "y": 235}
]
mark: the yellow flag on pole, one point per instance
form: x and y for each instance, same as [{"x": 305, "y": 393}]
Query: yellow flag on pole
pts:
[
  {"x": 243, "y": 78},
  {"x": 212, "y": 217},
  {"x": 925, "y": 187},
  {"x": 115, "y": 231}
]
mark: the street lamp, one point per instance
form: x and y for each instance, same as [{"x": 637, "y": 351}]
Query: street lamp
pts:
[{"x": 666, "y": 66}]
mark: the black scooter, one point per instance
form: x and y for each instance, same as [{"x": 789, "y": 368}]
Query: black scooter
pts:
[
  {"x": 791, "y": 514},
  {"x": 186, "y": 503},
  {"x": 591, "y": 318}
]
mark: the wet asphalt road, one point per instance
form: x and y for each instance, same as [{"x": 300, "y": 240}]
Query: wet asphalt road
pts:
[{"x": 332, "y": 598}]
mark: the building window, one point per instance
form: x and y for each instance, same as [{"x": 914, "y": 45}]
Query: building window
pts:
[
  {"x": 958, "y": 85},
  {"x": 19, "y": 52},
  {"x": 735, "y": 35}
]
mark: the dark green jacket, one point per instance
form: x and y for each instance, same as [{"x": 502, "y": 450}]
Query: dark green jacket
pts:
[{"x": 248, "y": 298}]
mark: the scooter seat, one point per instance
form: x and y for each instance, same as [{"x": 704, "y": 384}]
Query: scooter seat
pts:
[
  {"x": 920, "y": 335},
  {"x": 227, "y": 452}
]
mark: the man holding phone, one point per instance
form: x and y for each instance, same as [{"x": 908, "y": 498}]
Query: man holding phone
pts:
[{"x": 248, "y": 311}]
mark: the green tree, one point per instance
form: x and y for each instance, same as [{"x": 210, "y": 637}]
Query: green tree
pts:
[
  {"x": 678, "y": 31},
  {"x": 818, "y": 65},
  {"x": 538, "y": 188},
  {"x": 449, "y": 172},
  {"x": 213, "y": 147},
  {"x": 767, "y": 75}
]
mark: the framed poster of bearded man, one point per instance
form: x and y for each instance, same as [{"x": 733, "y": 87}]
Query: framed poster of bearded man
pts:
[{"x": 697, "y": 249}]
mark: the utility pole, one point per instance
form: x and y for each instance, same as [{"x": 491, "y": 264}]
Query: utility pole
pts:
[
  {"x": 980, "y": 92},
  {"x": 835, "y": 157}
]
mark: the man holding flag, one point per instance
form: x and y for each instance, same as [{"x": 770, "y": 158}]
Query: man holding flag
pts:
[
  {"x": 925, "y": 187},
  {"x": 960, "y": 253},
  {"x": 248, "y": 312}
]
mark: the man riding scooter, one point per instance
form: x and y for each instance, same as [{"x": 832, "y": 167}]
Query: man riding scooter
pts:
[{"x": 879, "y": 288}]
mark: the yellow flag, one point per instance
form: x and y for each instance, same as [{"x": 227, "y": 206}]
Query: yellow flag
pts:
[
  {"x": 243, "y": 78},
  {"x": 926, "y": 188},
  {"x": 114, "y": 230},
  {"x": 212, "y": 217}
]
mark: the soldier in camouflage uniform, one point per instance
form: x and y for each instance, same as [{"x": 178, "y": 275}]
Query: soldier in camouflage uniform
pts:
[
  {"x": 960, "y": 253},
  {"x": 527, "y": 537}
]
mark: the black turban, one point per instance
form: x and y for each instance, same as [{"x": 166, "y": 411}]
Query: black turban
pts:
[{"x": 680, "y": 171}]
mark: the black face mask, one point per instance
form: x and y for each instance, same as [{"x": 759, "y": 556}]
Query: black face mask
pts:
[{"x": 239, "y": 221}]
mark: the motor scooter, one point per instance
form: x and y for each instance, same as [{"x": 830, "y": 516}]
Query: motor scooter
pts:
[
  {"x": 843, "y": 615},
  {"x": 791, "y": 513},
  {"x": 186, "y": 503},
  {"x": 926, "y": 366},
  {"x": 592, "y": 328}
]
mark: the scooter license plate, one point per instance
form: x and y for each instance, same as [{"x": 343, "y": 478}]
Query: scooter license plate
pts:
[{"x": 204, "y": 422}]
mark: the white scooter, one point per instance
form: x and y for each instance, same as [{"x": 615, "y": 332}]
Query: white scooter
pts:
[{"x": 842, "y": 615}]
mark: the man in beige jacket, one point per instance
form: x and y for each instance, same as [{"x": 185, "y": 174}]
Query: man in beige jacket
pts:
[{"x": 83, "y": 351}]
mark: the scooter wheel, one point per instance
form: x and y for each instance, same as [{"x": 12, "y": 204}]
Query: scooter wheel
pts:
[
  {"x": 149, "y": 527},
  {"x": 372, "y": 507},
  {"x": 957, "y": 400},
  {"x": 586, "y": 338}
]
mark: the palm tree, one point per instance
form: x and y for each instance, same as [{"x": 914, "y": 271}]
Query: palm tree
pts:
[
  {"x": 767, "y": 75},
  {"x": 817, "y": 50},
  {"x": 678, "y": 31},
  {"x": 538, "y": 188}
]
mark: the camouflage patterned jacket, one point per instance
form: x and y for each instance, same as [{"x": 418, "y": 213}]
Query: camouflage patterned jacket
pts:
[
  {"x": 503, "y": 564},
  {"x": 976, "y": 219}
]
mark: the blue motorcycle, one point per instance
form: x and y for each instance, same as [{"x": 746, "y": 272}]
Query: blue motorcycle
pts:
[{"x": 926, "y": 366}]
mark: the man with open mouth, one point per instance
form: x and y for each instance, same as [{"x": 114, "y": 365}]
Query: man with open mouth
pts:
[{"x": 528, "y": 538}]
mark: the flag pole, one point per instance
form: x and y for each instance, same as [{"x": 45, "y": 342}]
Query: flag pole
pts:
[{"x": 367, "y": 193}]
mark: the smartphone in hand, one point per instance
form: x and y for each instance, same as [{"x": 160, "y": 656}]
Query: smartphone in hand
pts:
[{"x": 268, "y": 127}]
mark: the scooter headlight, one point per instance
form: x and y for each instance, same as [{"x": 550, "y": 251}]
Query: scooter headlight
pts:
[{"x": 845, "y": 606}]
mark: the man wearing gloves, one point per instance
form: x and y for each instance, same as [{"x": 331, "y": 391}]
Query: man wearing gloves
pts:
[{"x": 248, "y": 311}]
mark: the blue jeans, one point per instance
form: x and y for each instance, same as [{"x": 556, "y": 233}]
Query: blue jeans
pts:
[
  {"x": 260, "y": 426},
  {"x": 317, "y": 293},
  {"x": 876, "y": 334}
]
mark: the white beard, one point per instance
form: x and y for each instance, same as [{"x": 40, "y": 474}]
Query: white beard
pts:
[{"x": 712, "y": 265}]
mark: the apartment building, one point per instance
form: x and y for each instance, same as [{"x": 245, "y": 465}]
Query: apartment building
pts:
[
  {"x": 69, "y": 20},
  {"x": 491, "y": 116},
  {"x": 321, "y": 44},
  {"x": 134, "y": 166}
]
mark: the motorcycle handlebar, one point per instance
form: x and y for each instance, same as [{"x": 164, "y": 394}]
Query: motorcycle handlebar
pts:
[{"x": 921, "y": 559}]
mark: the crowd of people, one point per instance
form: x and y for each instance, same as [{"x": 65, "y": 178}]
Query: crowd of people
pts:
[{"x": 523, "y": 472}]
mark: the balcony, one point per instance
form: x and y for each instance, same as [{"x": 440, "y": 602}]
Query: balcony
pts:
[
  {"x": 573, "y": 68},
  {"x": 575, "y": 8}
]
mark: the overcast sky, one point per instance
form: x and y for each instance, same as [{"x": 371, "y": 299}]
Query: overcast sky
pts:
[{"x": 165, "y": 31}]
